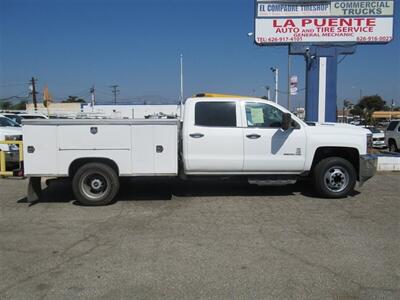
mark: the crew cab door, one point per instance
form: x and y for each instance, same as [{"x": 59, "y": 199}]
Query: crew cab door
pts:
[
  {"x": 267, "y": 147},
  {"x": 213, "y": 139}
]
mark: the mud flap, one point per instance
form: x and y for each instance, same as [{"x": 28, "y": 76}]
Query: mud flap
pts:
[
  {"x": 368, "y": 167},
  {"x": 34, "y": 189}
]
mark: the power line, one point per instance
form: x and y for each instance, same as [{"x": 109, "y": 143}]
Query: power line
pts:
[
  {"x": 12, "y": 84},
  {"x": 16, "y": 96}
]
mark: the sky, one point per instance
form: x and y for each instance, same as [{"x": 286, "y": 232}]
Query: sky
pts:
[{"x": 70, "y": 45}]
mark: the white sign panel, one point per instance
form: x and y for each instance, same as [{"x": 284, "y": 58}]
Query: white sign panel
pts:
[
  {"x": 282, "y": 10},
  {"x": 355, "y": 21},
  {"x": 334, "y": 8},
  {"x": 361, "y": 30},
  {"x": 362, "y": 8}
]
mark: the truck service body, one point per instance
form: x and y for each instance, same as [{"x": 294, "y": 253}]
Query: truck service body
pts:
[{"x": 228, "y": 136}]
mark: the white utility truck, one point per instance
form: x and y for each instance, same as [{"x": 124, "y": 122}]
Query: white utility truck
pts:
[{"x": 218, "y": 136}]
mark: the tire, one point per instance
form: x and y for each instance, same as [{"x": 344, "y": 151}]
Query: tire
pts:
[
  {"x": 95, "y": 184},
  {"x": 393, "y": 146},
  {"x": 334, "y": 177}
]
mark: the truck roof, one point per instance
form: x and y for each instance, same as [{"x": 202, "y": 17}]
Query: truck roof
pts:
[{"x": 213, "y": 95}]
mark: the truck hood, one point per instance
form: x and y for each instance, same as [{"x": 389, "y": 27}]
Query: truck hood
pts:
[
  {"x": 338, "y": 135},
  {"x": 341, "y": 127}
]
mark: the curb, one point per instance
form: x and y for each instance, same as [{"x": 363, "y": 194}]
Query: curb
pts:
[{"x": 389, "y": 163}]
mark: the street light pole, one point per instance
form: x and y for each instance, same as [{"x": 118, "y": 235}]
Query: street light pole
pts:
[
  {"x": 276, "y": 73},
  {"x": 268, "y": 93}
]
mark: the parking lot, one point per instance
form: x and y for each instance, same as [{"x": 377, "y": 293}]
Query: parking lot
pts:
[{"x": 205, "y": 239}]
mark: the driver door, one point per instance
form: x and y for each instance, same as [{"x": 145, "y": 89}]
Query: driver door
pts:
[{"x": 267, "y": 147}]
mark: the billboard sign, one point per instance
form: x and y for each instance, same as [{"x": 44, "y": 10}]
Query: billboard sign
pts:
[
  {"x": 293, "y": 85},
  {"x": 352, "y": 21}
]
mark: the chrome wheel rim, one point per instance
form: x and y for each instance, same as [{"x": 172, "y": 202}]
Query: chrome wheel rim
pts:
[
  {"x": 336, "y": 179},
  {"x": 94, "y": 186}
]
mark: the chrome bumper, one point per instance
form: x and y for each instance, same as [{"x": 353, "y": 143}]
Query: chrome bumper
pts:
[{"x": 368, "y": 167}]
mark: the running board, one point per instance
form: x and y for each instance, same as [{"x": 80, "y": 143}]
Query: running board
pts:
[{"x": 272, "y": 182}]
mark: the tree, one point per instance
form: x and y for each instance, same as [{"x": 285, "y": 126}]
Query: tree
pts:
[
  {"x": 347, "y": 104},
  {"x": 5, "y": 105},
  {"x": 21, "y": 105},
  {"x": 73, "y": 99},
  {"x": 367, "y": 106}
]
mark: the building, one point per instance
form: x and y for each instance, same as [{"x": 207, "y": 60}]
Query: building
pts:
[
  {"x": 386, "y": 115},
  {"x": 133, "y": 111},
  {"x": 61, "y": 109}
]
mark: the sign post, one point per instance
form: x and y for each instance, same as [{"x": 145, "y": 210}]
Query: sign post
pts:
[{"x": 321, "y": 30}]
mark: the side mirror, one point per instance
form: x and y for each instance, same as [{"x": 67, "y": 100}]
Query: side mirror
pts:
[{"x": 286, "y": 121}]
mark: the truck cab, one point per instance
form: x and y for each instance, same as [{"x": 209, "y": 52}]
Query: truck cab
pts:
[
  {"x": 241, "y": 135},
  {"x": 262, "y": 140}
]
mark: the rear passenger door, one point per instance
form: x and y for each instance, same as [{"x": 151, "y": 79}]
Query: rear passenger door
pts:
[{"x": 215, "y": 140}]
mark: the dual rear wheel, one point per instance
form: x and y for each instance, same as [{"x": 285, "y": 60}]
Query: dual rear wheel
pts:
[{"x": 95, "y": 184}]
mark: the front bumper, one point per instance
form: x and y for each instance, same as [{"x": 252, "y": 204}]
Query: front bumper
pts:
[
  {"x": 368, "y": 167},
  {"x": 378, "y": 144}
]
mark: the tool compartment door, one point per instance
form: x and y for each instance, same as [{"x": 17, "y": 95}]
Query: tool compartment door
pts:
[
  {"x": 41, "y": 141},
  {"x": 155, "y": 149},
  {"x": 94, "y": 137}
]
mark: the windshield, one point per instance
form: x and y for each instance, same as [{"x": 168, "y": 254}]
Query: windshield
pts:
[
  {"x": 5, "y": 122},
  {"x": 14, "y": 118}
]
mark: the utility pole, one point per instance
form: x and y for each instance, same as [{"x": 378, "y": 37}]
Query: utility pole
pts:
[
  {"x": 276, "y": 73},
  {"x": 93, "y": 99},
  {"x": 115, "y": 91},
  {"x": 288, "y": 72},
  {"x": 181, "y": 96},
  {"x": 344, "y": 107},
  {"x": 34, "y": 93}
]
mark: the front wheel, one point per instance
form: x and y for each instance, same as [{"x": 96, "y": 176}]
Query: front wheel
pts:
[
  {"x": 334, "y": 177},
  {"x": 95, "y": 184}
]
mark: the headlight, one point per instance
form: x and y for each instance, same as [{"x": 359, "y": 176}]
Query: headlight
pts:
[
  {"x": 369, "y": 143},
  {"x": 13, "y": 137}
]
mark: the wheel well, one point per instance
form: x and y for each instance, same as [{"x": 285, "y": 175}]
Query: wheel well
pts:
[
  {"x": 350, "y": 154},
  {"x": 76, "y": 164},
  {"x": 392, "y": 140}
]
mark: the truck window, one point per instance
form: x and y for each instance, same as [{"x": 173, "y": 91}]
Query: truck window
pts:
[
  {"x": 215, "y": 114},
  {"x": 263, "y": 115},
  {"x": 392, "y": 125}
]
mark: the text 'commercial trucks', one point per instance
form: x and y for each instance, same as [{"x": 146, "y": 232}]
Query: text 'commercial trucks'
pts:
[{"x": 218, "y": 137}]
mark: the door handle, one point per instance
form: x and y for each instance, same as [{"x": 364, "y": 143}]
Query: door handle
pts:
[
  {"x": 196, "y": 135},
  {"x": 253, "y": 136}
]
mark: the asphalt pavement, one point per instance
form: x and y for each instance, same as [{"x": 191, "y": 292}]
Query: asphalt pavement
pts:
[{"x": 166, "y": 239}]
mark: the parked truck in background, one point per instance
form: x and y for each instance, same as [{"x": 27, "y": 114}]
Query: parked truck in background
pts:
[
  {"x": 392, "y": 136},
  {"x": 9, "y": 132},
  {"x": 217, "y": 137}
]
